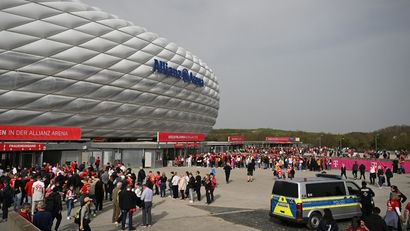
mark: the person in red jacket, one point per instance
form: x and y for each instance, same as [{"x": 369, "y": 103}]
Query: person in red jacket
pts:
[
  {"x": 25, "y": 211},
  {"x": 97, "y": 163},
  {"x": 29, "y": 191}
]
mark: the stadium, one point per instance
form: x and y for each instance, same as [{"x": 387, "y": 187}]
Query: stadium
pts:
[{"x": 66, "y": 65}]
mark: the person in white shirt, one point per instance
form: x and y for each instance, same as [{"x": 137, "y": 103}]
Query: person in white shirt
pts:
[
  {"x": 175, "y": 181},
  {"x": 38, "y": 191}
]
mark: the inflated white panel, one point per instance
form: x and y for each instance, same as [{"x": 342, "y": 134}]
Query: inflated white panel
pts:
[{"x": 64, "y": 63}]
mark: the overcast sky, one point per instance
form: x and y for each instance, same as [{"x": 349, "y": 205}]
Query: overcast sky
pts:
[{"x": 331, "y": 66}]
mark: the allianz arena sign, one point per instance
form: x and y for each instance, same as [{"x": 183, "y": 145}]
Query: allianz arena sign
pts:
[{"x": 68, "y": 64}]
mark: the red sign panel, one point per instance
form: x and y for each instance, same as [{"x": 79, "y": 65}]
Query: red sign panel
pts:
[
  {"x": 10, "y": 132},
  {"x": 281, "y": 140},
  {"x": 14, "y": 147},
  {"x": 236, "y": 139},
  {"x": 180, "y": 137}
]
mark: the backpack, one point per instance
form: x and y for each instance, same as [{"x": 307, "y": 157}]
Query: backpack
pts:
[{"x": 77, "y": 216}]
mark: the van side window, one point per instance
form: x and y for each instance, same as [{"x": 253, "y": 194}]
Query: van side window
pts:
[
  {"x": 352, "y": 188},
  {"x": 325, "y": 189}
]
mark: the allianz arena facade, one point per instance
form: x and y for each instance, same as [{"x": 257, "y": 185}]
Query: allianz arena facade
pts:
[{"x": 64, "y": 63}]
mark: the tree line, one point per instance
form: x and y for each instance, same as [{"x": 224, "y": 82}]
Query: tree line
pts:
[{"x": 389, "y": 138}]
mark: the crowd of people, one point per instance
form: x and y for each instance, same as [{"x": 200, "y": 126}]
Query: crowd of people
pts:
[
  {"x": 39, "y": 193},
  {"x": 371, "y": 220}
]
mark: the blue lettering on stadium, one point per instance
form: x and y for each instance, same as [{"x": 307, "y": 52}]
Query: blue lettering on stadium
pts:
[{"x": 185, "y": 75}]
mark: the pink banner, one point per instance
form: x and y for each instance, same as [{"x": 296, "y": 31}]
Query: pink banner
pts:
[{"x": 337, "y": 163}]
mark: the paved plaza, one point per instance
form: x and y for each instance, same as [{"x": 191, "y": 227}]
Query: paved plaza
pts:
[{"x": 238, "y": 205}]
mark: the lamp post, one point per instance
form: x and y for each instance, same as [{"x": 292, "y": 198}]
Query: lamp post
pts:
[
  {"x": 341, "y": 139},
  {"x": 320, "y": 140},
  {"x": 375, "y": 142}
]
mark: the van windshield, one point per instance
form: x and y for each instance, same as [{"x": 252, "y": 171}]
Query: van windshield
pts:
[{"x": 286, "y": 189}]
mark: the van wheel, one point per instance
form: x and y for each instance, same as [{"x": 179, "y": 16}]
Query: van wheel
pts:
[{"x": 314, "y": 220}]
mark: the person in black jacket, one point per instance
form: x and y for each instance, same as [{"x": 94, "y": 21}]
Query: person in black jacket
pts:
[
  {"x": 251, "y": 168},
  {"x": 141, "y": 176},
  {"x": 198, "y": 182},
  {"x": 343, "y": 171},
  {"x": 355, "y": 167},
  {"x": 7, "y": 199},
  {"x": 128, "y": 203},
  {"x": 366, "y": 199},
  {"x": 99, "y": 194},
  {"x": 327, "y": 223},
  {"x": 375, "y": 222},
  {"x": 54, "y": 206},
  {"x": 227, "y": 170},
  {"x": 191, "y": 187},
  {"x": 389, "y": 175},
  {"x": 362, "y": 170}
]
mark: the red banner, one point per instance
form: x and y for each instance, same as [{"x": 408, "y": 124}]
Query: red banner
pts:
[
  {"x": 282, "y": 140},
  {"x": 10, "y": 132},
  {"x": 180, "y": 137},
  {"x": 14, "y": 147},
  {"x": 236, "y": 139}
]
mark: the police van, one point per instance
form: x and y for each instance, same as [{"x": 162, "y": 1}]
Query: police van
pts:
[{"x": 303, "y": 200}]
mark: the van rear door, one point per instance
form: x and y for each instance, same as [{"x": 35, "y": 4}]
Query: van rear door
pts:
[{"x": 283, "y": 202}]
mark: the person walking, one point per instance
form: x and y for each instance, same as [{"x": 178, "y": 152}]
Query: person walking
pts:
[
  {"x": 99, "y": 194},
  {"x": 85, "y": 214},
  {"x": 355, "y": 168},
  {"x": 213, "y": 185},
  {"x": 7, "y": 199},
  {"x": 105, "y": 178},
  {"x": 70, "y": 197},
  {"x": 343, "y": 171},
  {"x": 128, "y": 203},
  {"x": 366, "y": 199},
  {"x": 389, "y": 175},
  {"x": 43, "y": 219},
  {"x": 38, "y": 192},
  {"x": 146, "y": 198},
  {"x": 393, "y": 213},
  {"x": 380, "y": 176},
  {"x": 54, "y": 206},
  {"x": 362, "y": 169},
  {"x": 373, "y": 174},
  {"x": 18, "y": 192},
  {"x": 227, "y": 170},
  {"x": 116, "y": 203},
  {"x": 327, "y": 223},
  {"x": 198, "y": 183},
  {"x": 251, "y": 168}
]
